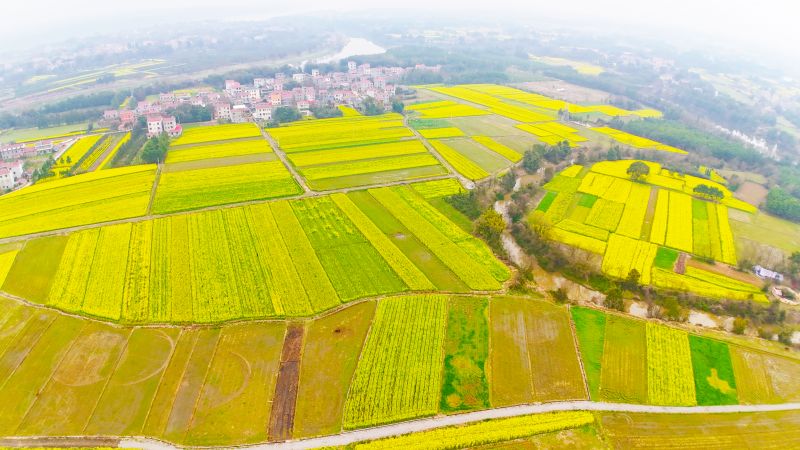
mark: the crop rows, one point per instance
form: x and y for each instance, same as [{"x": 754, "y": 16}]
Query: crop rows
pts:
[
  {"x": 605, "y": 214},
  {"x": 679, "y": 225},
  {"x": 103, "y": 296},
  {"x": 452, "y": 255},
  {"x": 75, "y": 152},
  {"x": 637, "y": 141},
  {"x": 218, "y": 150},
  {"x": 401, "y": 265},
  {"x": 203, "y": 134},
  {"x": 193, "y": 189},
  {"x": 484, "y": 433},
  {"x": 460, "y": 163},
  {"x": 400, "y": 368},
  {"x": 353, "y": 265},
  {"x": 471, "y": 246},
  {"x": 99, "y": 149},
  {"x": 604, "y": 186},
  {"x": 441, "y": 133},
  {"x": 670, "y": 280},
  {"x": 369, "y": 166},
  {"x": 624, "y": 254},
  {"x": 281, "y": 259},
  {"x": 670, "y": 380},
  {"x": 495, "y": 105},
  {"x": 561, "y": 183},
  {"x": 110, "y": 157},
  {"x": 658, "y": 230},
  {"x": 438, "y": 188},
  {"x": 584, "y": 229},
  {"x": 728, "y": 248},
  {"x": 444, "y": 109},
  {"x": 361, "y": 152},
  {"x": 82, "y": 199},
  {"x": 633, "y": 216},
  {"x": 502, "y": 150},
  {"x": 578, "y": 240},
  {"x": 340, "y": 132}
]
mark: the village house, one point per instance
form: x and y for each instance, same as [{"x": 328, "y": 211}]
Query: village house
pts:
[
  {"x": 262, "y": 112},
  {"x": 766, "y": 274},
  {"x": 157, "y": 124},
  {"x": 11, "y": 151},
  {"x": 10, "y": 174},
  {"x": 222, "y": 111}
]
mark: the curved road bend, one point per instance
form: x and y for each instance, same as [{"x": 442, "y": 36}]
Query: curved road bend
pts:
[{"x": 414, "y": 426}]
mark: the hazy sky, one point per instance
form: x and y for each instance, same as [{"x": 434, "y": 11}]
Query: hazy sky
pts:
[{"x": 768, "y": 25}]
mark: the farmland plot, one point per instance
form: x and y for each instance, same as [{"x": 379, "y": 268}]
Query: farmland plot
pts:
[
  {"x": 199, "y": 135},
  {"x": 193, "y": 189},
  {"x": 234, "y": 403},
  {"x": 624, "y": 368},
  {"x": 354, "y": 266},
  {"x": 714, "y": 380},
  {"x": 331, "y": 352},
  {"x": 533, "y": 353},
  {"x": 126, "y": 400},
  {"x": 670, "y": 379},
  {"x": 65, "y": 404},
  {"x": 78, "y": 200},
  {"x": 466, "y": 349},
  {"x": 398, "y": 375},
  {"x": 590, "y": 325}
]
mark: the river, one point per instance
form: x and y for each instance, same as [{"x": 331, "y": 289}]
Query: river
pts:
[{"x": 354, "y": 47}]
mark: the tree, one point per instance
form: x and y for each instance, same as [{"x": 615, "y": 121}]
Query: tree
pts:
[
  {"x": 191, "y": 113},
  {"x": 740, "y": 325},
  {"x": 155, "y": 149},
  {"x": 614, "y": 154},
  {"x": 710, "y": 192},
  {"x": 638, "y": 171},
  {"x": 560, "y": 295},
  {"x": 285, "y": 114},
  {"x": 371, "y": 107},
  {"x": 614, "y": 299},
  {"x": 490, "y": 226},
  {"x": 69, "y": 160},
  {"x": 631, "y": 282},
  {"x": 783, "y": 204},
  {"x": 509, "y": 180},
  {"x": 531, "y": 161},
  {"x": 398, "y": 106},
  {"x": 326, "y": 111}
]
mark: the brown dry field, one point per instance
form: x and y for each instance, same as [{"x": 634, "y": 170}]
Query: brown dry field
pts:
[{"x": 752, "y": 193}]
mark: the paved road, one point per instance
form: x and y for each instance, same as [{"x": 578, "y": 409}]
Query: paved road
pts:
[{"x": 414, "y": 426}]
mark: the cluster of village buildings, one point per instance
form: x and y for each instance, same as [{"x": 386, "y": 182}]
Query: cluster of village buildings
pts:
[
  {"x": 237, "y": 103},
  {"x": 258, "y": 101}
]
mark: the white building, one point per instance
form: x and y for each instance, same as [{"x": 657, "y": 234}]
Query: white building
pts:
[
  {"x": 767, "y": 274},
  {"x": 10, "y": 174},
  {"x": 263, "y": 112},
  {"x": 161, "y": 124}
]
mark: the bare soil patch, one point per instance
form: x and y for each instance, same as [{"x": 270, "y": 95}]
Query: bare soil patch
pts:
[
  {"x": 752, "y": 193},
  {"x": 284, "y": 402}
]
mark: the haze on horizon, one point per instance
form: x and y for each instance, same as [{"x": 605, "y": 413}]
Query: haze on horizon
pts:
[{"x": 765, "y": 28}]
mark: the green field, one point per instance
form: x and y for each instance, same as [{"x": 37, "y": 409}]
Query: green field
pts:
[
  {"x": 279, "y": 259},
  {"x": 603, "y": 211}
]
